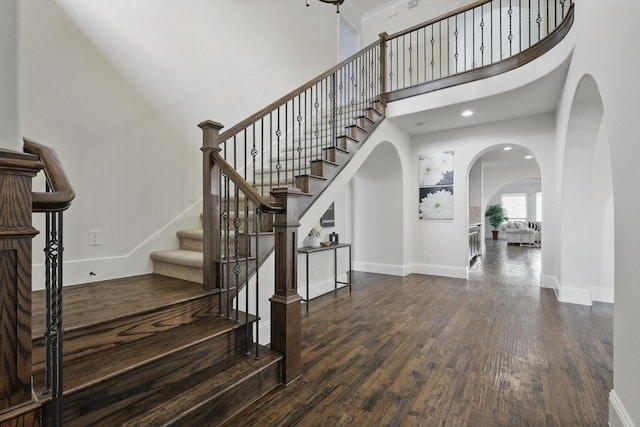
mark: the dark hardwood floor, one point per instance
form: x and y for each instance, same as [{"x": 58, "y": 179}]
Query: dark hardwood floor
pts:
[{"x": 495, "y": 350}]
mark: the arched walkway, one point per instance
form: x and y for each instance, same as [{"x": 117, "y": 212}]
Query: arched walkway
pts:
[
  {"x": 378, "y": 212},
  {"x": 586, "y": 244}
]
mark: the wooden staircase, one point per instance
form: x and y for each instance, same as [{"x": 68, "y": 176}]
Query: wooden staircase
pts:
[
  {"x": 313, "y": 178},
  {"x": 152, "y": 350}
]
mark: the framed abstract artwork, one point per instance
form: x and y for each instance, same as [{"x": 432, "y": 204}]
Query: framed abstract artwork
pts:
[{"x": 435, "y": 179}]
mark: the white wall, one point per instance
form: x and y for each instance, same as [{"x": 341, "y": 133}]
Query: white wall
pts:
[
  {"x": 602, "y": 229},
  {"x": 117, "y": 89},
  {"x": 9, "y": 100},
  {"x": 378, "y": 213},
  {"x": 397, "y": 16},
  {"x": 441, "y": 247},
  {"x": 611, "y": 31}
]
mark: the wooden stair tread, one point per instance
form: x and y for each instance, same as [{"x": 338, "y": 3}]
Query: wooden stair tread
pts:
[
  {"x": 316, "y": 177},
  {"x": 118, "y": 298},
  {"x": 199, "y": 390},
  {"x": 119, "y": 360}
]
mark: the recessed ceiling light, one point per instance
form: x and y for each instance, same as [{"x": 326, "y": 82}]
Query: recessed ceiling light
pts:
[
  {"x": 507, "y": 148},
  {"x": 528, "y": 156},
  {"x": 467, "y": 113}
]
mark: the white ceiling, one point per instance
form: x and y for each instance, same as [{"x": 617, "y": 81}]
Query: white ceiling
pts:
[{"x": 538, "y": 97}]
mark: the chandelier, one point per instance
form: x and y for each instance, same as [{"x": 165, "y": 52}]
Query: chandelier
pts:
[{"x": 336, "y": 2}]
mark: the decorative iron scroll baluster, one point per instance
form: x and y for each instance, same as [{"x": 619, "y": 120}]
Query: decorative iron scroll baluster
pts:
[
  {"x": 236, "y": 252},
  {"x": 539, "y": 21},
  {"x": 482, "y": 38},
  {"x": 227, "y": 247},
  {"x": 247, "y": 254},
  {"x": 510, "y": 36},
  {"x": 455, "y": 34},
  {"x": 256, "y": 217},
  {"x": 54, "y": 333},
  {"x": 222, "y": 184}
]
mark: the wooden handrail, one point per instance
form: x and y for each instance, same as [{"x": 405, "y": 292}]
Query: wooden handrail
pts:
[
  {"x": 61, "y": 195},
  {"x": 281, "y": 101},
  {"x": 243, "y": 185}
]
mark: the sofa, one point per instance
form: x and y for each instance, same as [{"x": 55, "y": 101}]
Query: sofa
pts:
[{"x": 523, "y": 232}]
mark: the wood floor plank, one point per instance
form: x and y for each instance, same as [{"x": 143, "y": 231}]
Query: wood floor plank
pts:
[{"x": 494, "y": 350}]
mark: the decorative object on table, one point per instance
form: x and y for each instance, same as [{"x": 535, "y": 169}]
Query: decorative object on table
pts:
[
  {"x": 333, "y": 238},
  {"x": 497, "y": 214},
  {"x": 328, "y": 219},
  {"x": 325, "y": 244},
  {"x": 435, "y": 182},
  {"x": 313, "y": 239}
]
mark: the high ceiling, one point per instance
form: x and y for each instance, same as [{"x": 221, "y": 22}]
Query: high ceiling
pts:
[{"x": 365, "y": 6}]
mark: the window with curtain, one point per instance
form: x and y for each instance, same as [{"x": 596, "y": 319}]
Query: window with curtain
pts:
[{"x": 516, "y": 206}]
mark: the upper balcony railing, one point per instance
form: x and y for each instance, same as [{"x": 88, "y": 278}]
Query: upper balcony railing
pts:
[{"x": 483, "y": 39}]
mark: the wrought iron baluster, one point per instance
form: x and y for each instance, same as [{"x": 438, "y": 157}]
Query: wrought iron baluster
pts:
[
  {"x": 510, "y": 36},
  {"x": 455, "y": 34},
  {"x": 247, "y": 254},
  {"x": 236, "y": 247},
  {"x": 500, "y": 35},
  {"x": 54, "y": 333},
  {"x": 256, "y": 217},
  {"x": 227, "y": 260},
  {"x": 482, "y": 35}
]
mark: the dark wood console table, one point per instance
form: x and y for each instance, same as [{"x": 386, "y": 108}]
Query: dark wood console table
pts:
[{"x": 334, "y": 248}]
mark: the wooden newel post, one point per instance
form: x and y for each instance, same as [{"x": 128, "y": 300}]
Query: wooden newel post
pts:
[
  {"x": 383, "y": 66},
  {"x": 210, "y": 203},
  {"x": 286, "y": 335},
  {"x": 17, "y": 404}
]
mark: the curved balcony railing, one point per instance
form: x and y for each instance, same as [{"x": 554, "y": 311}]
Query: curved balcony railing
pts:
[{"x": 480, "y": 40}]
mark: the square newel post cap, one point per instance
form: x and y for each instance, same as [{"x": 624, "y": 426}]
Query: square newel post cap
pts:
[
  {"x": 287, "y": 198},
  {"x": 210, "y": 133},
  {"x": 284, "y": 192},
  {"x": 210, "y": 124}
]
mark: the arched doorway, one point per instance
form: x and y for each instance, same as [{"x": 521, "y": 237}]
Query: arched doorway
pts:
[
  {"x": 377, "y": 194},
  {"x": 586, "y": 227}
]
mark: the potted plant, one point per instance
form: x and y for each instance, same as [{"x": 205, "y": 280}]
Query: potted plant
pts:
[{"x": 497, "y": 214}]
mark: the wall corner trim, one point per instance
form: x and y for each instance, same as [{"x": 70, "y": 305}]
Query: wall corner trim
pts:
[{"x": 618, "y": 415}]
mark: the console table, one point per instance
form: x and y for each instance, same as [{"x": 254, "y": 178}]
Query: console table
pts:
[{"x": 334, "y": 248}]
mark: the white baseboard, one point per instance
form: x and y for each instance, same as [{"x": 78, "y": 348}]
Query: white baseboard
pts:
[
  {"x": 440, "y": 270},
  {"x": 602, "y": 295},
  {"x": 618, "y": 415},
  {"x": 265, "y": 332},
  {"x": 574, "y": 296},
  {"x": 549, "y": 282},
  {"x": 135, "y": 262},
  {"x": 390, "y": 269}
]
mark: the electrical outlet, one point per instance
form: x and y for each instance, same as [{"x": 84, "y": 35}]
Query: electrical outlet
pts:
[
  {"x": 427, "y": 256},
  {"x": 95, "y": 237}
]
